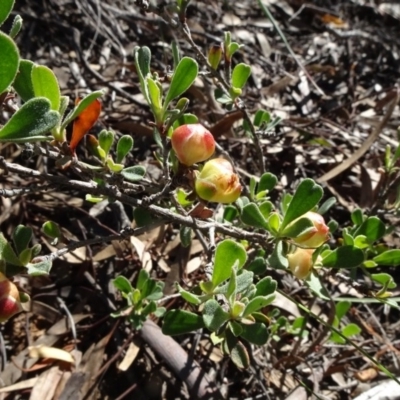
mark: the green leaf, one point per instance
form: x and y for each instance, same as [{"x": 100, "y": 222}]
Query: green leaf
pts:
[
  {"x": 178, "y": 322},
  {"x": 227, "y": 254},
  {"x": 344, "y": 257},
  {"x": 124, "y": 146},
  {"x": 134, "y": 173},
  {"x": 252, "y": 186},
  {"x": 186, "y": 118},
  {"x": 142, "y": 280},
  {"x": 156, "y": 292},
  {"x": 327, "y": 205},
  {"x": 64, "y": 100},
  {"x": 160, "y": 311},
  {"x": 237, "y": 309},
  {"x": 36, "y": 249},
  {"x": 155, "y": 99},
  {"x": 232, "y": 286},
  {"x": 213, "y": 315},
  {"x": 45, "y": 84},
  {"x": 188, "y": 296},
  {"x": 106, "y": 139},
  {"x": 16, "y": 26},
  {"x": 51, "y": 229},
  {"x": 278, "y": 259},
  {"x": 240, "y": 75},
  {"x": 239, "y": 355},
  {"x": 30, "y": 122},
  {"x": 369, "y": 264},
  {"x": 142, "y": 57},
  {"x": 261, "y": 117},
  {"x": 267, "y": 182},
  {"x": 251, "y": 215},
  {"x": 80, "y": 107},
  {"x": 306, "y": 197},
  {"x": 274, "y": 223},
  {"x": 123, "y": 285},
  {"x": 389, "y": 257},
  {"x": 182, "y": 197},
  {"x": 9, "y": 60},
  {"x": 341, "y": 309},
  {"x": 185, "y": 234},
  {"x": 257, "y": 303},
  {"x": 243, "y": 281},
  {"x": 230, "y": 213},
  {"x": 361, "y": 242},
  {"x": 314, "y": 283},
  {"x": 351, "y": 330},
  {"x": 384, "y": 279},
  {"x": 233, "y": 48},
  {"x": 222, "y": 97},
  {"x": 113, "y": 166},
  {"x": 183, "y": 77},
  {"x": 7, "y": 253},
  {"x": 182, "y": 104},
  {"x": 25, "y": 256},
  {"x": 256, "y": 333},
  {"x": 23, "y": 81},
  {"x": 333, "y": 226},
  {"x": 348, "y": 239},
  {"x": 149, "y": 309},
  {"x": 258, "y": 266},
  {"x": 373, "y": 228},
  {"x": 40, "y": 268},
  {"x": 5, "y": 9},
  {"x": 235, "y": 327},
  {"x": 357, "y": 216},
  {"x": 22, "y": 235},
  {"x": 266, "y": 286},
  {"x": 297, "y": 228}
]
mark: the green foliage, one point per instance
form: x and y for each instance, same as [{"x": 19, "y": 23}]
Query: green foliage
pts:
[
  {"x": 237, "y": 317},
  {"x": 19, "y": 257},
  {"x": 306, "y": 197},
  {"x": 45, "y": 84},
  {"x": 6, "y": 7},
  {"x": 9, "y": 61},
  {"x": 234, "y": 300},
  {"x": 141, "y": 300},
  {"x": 31, "y": 122},
  {"x": 23, "y": 81}
]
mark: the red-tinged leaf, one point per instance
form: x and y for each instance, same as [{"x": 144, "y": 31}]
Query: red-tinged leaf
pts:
[{"x": 84, "y": 122}]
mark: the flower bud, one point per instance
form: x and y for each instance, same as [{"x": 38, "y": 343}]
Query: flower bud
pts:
[
  {"x": 300, "y": 262},
  {"x": 317, "y": 235},
  {"x": 215, "y": 55},
  {"x": 217, "y": 182},
  {"x": 10, "y": 302},
  {"x": 192, "y": 143}
]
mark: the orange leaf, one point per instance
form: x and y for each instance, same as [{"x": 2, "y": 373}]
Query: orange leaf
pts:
[
  {"x": 84, "y": 122},
  {"x": 330, "y": 19}
]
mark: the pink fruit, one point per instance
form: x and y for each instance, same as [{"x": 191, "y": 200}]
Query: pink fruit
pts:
[
  {"x": 300, "y": 262},
  {"x": 192, "y": 143},
  {"x": 217, "y": 182},
  {"x": 318, "y": 235},
  {"x": 9, "y": 299}
]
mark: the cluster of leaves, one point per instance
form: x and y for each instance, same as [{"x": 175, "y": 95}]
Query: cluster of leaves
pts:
[
  {"x": 141, "y": 299},
  {"x": 231, "y": 303}
]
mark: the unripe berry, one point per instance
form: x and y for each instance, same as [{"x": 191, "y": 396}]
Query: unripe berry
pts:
[
  {"x": 192, "y": 143},
  {"x": 300, "y": 262},
  {"x": 10, "y": 303},
  {"x": 318, "y": 235},
  {"x": 217, "y": 182}
]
